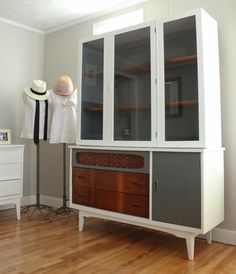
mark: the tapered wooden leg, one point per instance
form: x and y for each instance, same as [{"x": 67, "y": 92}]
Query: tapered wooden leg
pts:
[
  {"x": 18, "y": 210},
  {"x": 190, "y": 240},
  {"x": 209, "y": 237},
  {"x": 81, "y": 221}
]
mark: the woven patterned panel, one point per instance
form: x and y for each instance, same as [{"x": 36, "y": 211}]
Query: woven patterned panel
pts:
[{"x": 110, "y": 159}]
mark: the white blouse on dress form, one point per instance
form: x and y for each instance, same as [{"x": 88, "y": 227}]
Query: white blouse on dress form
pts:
[
  {"x": 64, "y": 118},
  {"x": 29, "y": 116}
]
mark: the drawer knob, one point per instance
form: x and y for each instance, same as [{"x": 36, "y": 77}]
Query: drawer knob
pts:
[
  {"x": 135, "y": 205},
  {"x": 136, "y": 183}
]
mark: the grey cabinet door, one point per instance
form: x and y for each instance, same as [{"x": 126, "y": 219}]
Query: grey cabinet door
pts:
[{"x": 176, "y": 194}]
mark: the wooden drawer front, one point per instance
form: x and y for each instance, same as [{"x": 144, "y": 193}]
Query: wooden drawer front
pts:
[
  {"x": 82, "y": 177},
  {"x": 81, "y": 195},
  {"x": 134, "y": 183},
  {"x": 10, "y": 171},
  {"x": 121, "y": 202},
  {"x": 9, "y": 155},
  {"x": 11, "y": 187}
]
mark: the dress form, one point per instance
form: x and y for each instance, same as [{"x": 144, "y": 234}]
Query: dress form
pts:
[
  {"x": 63, "y": 126},
  {"x": 36, "y": 126}
]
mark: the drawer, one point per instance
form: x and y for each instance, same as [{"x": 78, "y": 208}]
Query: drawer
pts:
[
  {"x": 9, "y": 155},
  {"x": 10, "y": 171},
  {"x": 81, "y": 177},
  {"x": 135, "y": 205},
  {"x": 127, "y": 182},
  {"x": 11, "y": 187},
  {"x": 81, "y": 195}
]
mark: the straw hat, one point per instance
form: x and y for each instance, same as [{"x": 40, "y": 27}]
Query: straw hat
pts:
[
  {"x": 64, "y": 86},
  {"x": 38, "y": 90}
]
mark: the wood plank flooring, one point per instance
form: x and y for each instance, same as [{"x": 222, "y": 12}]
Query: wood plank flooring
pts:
[{"x": 39, "y": 246}]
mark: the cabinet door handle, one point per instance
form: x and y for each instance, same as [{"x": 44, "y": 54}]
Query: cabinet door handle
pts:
[
  {"x": 81, "y": 195},
  {"x": 155, "y": 186},
  {"x": 81, "y": 177}
]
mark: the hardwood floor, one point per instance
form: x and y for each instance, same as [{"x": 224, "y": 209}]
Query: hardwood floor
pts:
[{"x": 39, "y": 246}]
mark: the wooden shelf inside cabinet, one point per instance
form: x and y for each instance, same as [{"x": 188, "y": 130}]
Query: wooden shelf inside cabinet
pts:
[
  {"x": 145, "y": 106},
  {"x": 121, "y": 108},
  {"x": 94, "y": 109},
  {"x": 129, "y": 69},
  {"x": 181, "y": 103},
  {"x": 92, "y": 74},
  {"x": 133, "y": 107},
  {"x": 181, "y": 60},
  {"x": 133, "y": 69}
]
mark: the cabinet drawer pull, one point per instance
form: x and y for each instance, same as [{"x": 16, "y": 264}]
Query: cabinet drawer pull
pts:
[
  {"x": 136, "y": 205},
  {"x": 81, "y": 177},
  {"x": 81, "y": 196},
  {"x": 137, "y": 183}
]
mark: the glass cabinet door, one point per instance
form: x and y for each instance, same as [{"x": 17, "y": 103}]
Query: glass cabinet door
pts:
[
  {"x": 132, "y": 86},
  {"x": 181, "y": 80},
  {"x": 92, "y": 90}
]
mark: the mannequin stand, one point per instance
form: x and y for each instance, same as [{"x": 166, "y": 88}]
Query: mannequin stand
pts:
[
  {"x": 64, "y": 210},
  {"x": 32, "y": 209}
]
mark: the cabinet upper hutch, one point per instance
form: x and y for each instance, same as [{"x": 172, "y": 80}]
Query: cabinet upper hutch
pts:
[{"x": 155, "y": 84}]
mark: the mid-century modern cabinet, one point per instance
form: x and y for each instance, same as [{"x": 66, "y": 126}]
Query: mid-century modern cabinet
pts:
[{"x": 149, "y": 147}]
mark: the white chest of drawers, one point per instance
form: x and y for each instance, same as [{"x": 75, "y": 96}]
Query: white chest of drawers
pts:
[{"x": 11, "y": 175}]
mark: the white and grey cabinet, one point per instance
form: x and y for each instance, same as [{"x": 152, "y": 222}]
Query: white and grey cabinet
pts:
[{"x": 151, "y": 91}]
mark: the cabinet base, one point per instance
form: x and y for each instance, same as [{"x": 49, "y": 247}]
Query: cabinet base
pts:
[{"x": 188, "y": 236}]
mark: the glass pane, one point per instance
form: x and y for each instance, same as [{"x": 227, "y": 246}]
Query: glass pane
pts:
[
  {"x": 92, "y": 90},
  {"x": 181, "y": 81},
  {"x": 132, "y": 86}
]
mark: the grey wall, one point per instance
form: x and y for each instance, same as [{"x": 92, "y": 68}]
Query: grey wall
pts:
[{"x": 22, "y": 60}]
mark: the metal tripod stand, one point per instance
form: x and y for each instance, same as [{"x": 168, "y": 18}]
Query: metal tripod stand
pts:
[
  {"x": 44, "y": 210},
  {"x": 64, "y": 210}
]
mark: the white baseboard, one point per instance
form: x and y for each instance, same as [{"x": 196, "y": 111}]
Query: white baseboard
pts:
[
  {"x": 4, "y": 207},
  {"x": 51, "y": 201},
  {"x": 44, "y": 200},
  {"x": 224, "y": 236},
  {"x": 30, "y": 200}
]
